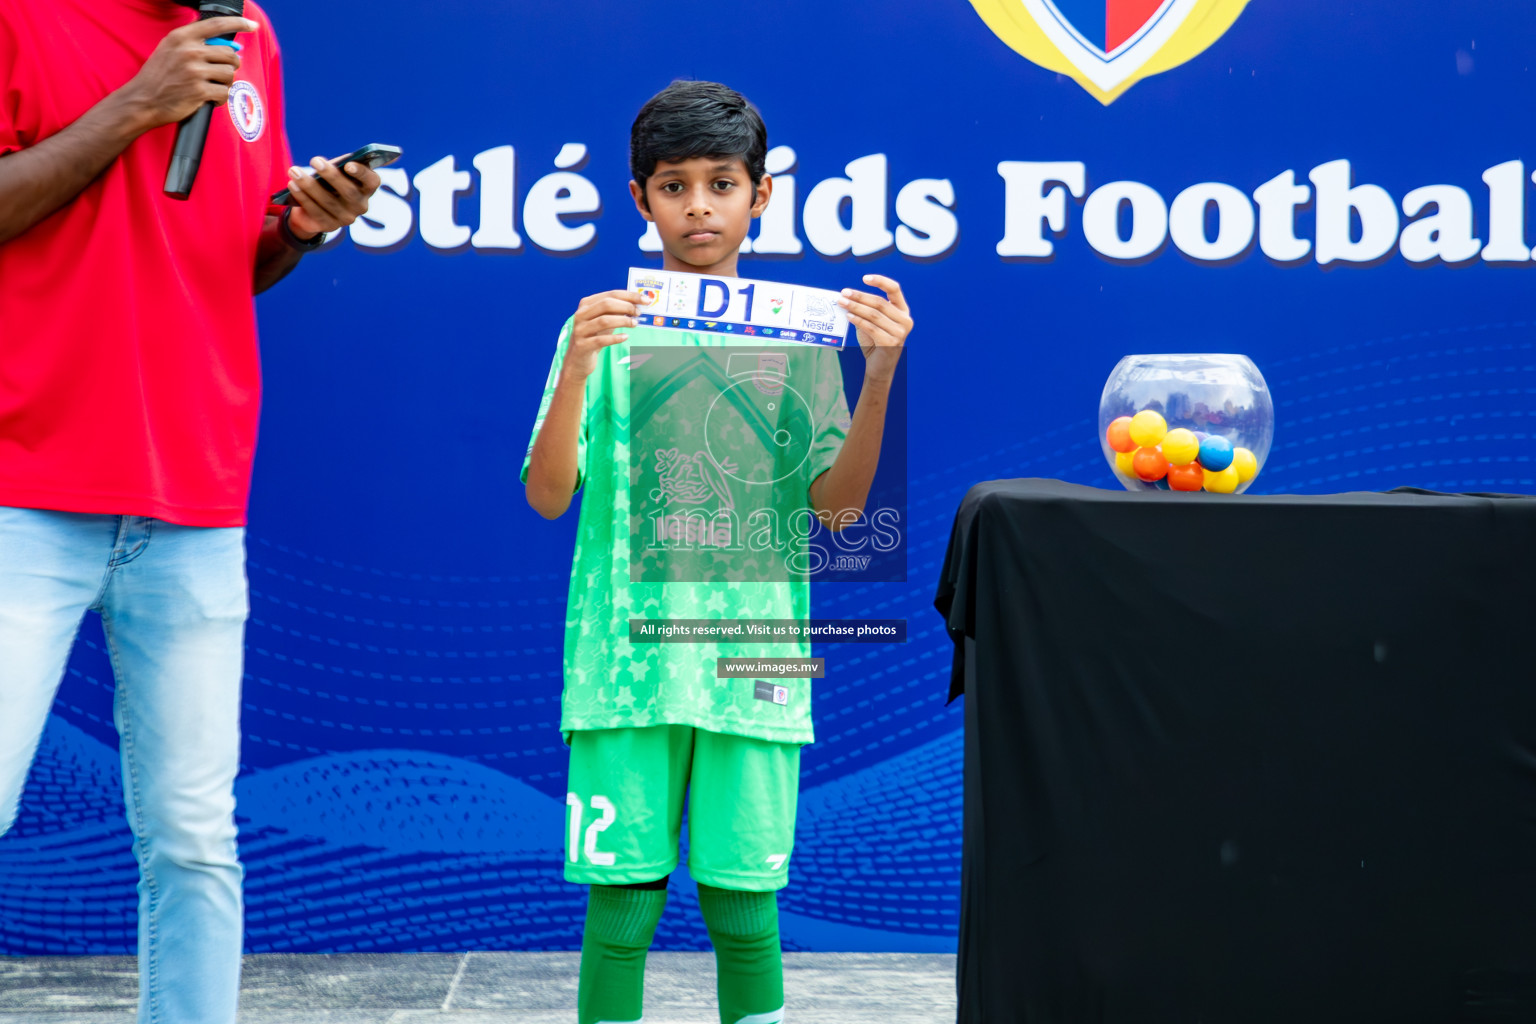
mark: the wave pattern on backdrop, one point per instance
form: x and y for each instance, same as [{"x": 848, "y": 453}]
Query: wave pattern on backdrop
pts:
[{"x": 403, "y": 783}]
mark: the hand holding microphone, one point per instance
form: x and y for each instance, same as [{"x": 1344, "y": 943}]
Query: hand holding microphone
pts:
[
  {"x": 184, "y": 79},
  {"x": 184, "y": 72}
]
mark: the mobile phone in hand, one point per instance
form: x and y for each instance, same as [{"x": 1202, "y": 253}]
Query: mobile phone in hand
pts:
[{"x": 373, "y": 155}]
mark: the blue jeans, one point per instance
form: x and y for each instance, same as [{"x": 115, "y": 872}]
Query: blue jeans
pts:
[{"x": 173, "y": 603}]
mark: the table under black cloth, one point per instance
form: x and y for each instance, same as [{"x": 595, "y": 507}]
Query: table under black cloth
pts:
[{"x": 1245, "y": 759}]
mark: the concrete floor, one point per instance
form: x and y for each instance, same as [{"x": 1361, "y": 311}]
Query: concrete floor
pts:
[{"x": 482, "y": 988}]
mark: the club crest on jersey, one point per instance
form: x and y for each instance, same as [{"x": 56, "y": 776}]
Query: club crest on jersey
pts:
[
  {"x": 247, "y": 111},
  {"x": 772, "y": 368},
  {"x": 1107, "y": 46}
]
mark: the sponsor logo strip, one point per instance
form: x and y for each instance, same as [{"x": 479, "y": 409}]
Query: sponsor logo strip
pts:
[{"x": 739, "y": 306}]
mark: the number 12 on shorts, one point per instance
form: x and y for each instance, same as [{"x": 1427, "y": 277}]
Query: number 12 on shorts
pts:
[{"x": 577, "y": 843}]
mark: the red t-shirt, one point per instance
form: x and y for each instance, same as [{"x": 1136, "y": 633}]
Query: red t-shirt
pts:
[{"x": 129, "y": 377}]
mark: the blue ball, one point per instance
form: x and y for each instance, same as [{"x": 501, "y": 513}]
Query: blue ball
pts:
[{"x": 1215, "y": 453}]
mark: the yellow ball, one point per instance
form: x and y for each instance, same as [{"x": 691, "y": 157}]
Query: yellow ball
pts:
[
  {"x": 1181, "y": 447},
  {"x": 1224, "y": 482},
  {"x": 1123, "y": 463},
  {"x": 1148, "y": 428},
  {"x": 1246, "y": 465}
]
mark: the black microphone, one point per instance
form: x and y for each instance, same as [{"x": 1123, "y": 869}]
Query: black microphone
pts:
[{"x": 192, "y": 133}]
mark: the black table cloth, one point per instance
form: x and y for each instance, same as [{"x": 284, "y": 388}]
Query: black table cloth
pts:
[{"x": 1245, "y": 759}]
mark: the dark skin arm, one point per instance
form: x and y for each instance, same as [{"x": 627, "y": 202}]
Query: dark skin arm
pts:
[
  {"x": 315, "y": 212},
  {"x": 883, "y": 323},
  {"x": 181, "y": 75},
  {"x": 274, "y": 258},
  {"x": 599, "y": 323}
]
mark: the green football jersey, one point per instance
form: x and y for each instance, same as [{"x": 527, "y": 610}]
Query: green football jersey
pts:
[{"x": 696, "y": 454}]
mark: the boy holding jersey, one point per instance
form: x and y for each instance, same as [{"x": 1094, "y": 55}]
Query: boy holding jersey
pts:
[{"x": 650, "y": 722}]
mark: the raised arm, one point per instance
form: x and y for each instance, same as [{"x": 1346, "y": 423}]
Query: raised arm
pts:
[
  {"x": 883, "y": 323},
  {"x": 552, "y": 469}
]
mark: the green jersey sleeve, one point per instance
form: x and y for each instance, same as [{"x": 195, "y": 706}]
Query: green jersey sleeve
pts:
[
  {"x": 561, "y": 345},
  {"x": 830, "y": 407}
]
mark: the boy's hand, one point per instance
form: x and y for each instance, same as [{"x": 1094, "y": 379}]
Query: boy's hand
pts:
[
  {"x": 883, "y": 325},
  {"x": 598, "y": 321}
]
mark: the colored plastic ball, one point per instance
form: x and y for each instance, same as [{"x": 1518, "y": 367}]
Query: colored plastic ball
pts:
[
  {"x": 1161, "y": 485},
  {"x": 1246, "y": 465},
  {"x": 1119, "y": 435},
  {"x": 1188, "y": 477},
  {"x": 1216, "y": 453},
  {"x": 1148, "y": 428},
  {"x": 1222, "y": 481},
  {"x": 1149, "y": 464},
  {"x": 1123, "y": 462},
  {"x": 1180, "y": 447}
]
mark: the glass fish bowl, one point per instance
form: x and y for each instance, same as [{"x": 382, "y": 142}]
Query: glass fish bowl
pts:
[{"x": 1186, "y": 422}]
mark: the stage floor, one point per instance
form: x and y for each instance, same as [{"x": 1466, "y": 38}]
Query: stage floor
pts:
[{"x": 485, "y": 988}]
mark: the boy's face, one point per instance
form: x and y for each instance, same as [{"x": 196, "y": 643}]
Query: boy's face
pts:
[{"x": 703, "y": 208}]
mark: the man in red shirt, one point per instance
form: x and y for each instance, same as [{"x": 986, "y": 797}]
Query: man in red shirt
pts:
[{"x": 129, "y": 392}]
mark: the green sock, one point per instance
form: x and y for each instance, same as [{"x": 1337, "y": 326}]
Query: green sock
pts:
[
  {"x": 620, "y": 926},
  {"x": 744, "y": 926}
]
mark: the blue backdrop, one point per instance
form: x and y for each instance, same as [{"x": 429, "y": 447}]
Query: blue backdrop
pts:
[{"x": 404, "y": 776}]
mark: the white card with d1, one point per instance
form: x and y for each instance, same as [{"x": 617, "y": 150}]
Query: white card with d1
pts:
[{"x": 740, "y": 307}]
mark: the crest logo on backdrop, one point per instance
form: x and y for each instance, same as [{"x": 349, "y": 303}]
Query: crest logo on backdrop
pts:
[{"x": 1107, "y": 46}]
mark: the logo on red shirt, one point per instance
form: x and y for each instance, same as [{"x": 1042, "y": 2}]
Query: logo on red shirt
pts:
[{"x": 246, "y": 110}]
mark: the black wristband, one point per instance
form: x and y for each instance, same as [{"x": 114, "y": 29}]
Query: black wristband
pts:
[{"x": 292, "y": 240}]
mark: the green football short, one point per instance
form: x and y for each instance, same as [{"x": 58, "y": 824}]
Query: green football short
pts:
[{"x": 624, "y": 811}]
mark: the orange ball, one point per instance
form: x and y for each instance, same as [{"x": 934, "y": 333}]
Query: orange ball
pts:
[
  {"x": 1188, "y": 477},
  {"x": 1119, "y": 435},
  {"x": 1149, "y": 464}
]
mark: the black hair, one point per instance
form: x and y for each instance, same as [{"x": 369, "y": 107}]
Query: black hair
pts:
[{"x": 691, "y": 119}]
